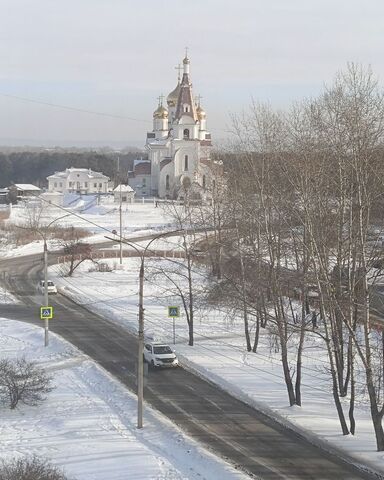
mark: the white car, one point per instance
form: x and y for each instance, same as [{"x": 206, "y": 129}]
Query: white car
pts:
[
  {"x": 160, "y": 355},
  {"x": 51, "y": 287}
]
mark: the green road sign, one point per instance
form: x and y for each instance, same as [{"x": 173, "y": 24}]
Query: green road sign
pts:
[
  {"x": 173, "y": 312},
  {"x": 46, "y": 313}
]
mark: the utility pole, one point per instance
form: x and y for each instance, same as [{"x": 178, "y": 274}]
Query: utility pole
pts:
[
  {"x": 140, "y": 364},
  {"x": 140, "y": 353},
  {"x": 5, "y": 290},
  {"x": 46, "y": 321},
  {"x": 121, "y": 229}
]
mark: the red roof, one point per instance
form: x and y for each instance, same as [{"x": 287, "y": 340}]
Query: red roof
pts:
[{"x": 142, "y": 168}]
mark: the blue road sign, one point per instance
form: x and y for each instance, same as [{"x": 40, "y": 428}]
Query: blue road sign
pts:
[
  {"x": 46, "y": 313},
  {"x": 173, "y": 312}
]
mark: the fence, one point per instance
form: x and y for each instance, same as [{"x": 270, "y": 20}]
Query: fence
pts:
[{"x": 101, "y": 254}]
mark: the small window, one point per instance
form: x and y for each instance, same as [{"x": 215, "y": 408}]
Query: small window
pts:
[
  {"x": 204, "y": 182},
  {"x": 55, "y": 184},
  {"x": 186, "y": 162},
  {"x": 144, "y": 182},
  {"x": 61, "y": 184},
  {"x": 100, "y": 185},
  {"x": 186, "y": 134},
  {"x": 86, "y": 184},
  {"x": 95, "y": 185},
  {"x": 167, "y": 182},
  {"x": 70, "y": 184}
]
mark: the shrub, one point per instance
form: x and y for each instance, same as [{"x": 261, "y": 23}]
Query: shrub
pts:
[
  {"x": 32, "y": 468},
  {"x": 23, "y": 381}
]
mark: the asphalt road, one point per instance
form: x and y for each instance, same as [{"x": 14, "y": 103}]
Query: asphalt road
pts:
[{"x": 228, "y": 427}]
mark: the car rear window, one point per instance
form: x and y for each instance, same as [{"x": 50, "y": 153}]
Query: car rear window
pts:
[{"x": 162, "y": 349}]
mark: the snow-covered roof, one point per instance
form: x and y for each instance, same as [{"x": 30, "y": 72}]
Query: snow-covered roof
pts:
[
  {"x": 123, "y": 189},
  {"x": 159, "y": 142},
  {"x": 90, "y": 173},
  {"x": 52, "y": 194},
  {"x": 26, "y": 186},
  {"x": 137, "y": 161}
]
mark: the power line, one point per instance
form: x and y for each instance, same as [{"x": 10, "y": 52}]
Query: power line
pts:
[
  {"x": 171, "y": 260},
  {"x": 74, "y": 109},
  {"x": 90, "y": 112}
]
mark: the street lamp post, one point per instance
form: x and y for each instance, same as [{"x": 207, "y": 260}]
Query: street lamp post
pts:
[
  {"x": 46, "y": 321},
  {"x": 44, "y": 236},
  {"x": 140, "y": 359},
  {"x": 140, "y": 353}
]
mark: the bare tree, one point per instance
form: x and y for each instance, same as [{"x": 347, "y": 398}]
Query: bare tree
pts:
[
  {"x": 179, "y": 274},
  {"x": 75, "y": 252},
  {"x": 34, "y": 210},
  {"x": 33, "y": 468},
  {"x": 23, "y": 381}
]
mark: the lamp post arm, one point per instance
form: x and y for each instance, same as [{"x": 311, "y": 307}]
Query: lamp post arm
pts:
[
  {"x": 59, "y": 218},
  {"x": 143, "y": 252},
  {"x": 164, "y": 234}
]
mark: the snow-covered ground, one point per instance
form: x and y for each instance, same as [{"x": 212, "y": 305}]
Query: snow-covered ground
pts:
[
  {"x": 87, "y": 424},
  {"x": 135, "y": 216},
  {"x": 219, "y": 352},
  {"x": 99, "y": 221},
  {"x": 7, "y": 297},
  {"x": 220, "y": 355}
]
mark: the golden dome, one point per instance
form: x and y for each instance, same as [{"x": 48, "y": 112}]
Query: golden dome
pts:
[
  {"x": 160, "y": 112},
  {"x": 200, "y": 112},
  {"x": 173, "y": 96}
]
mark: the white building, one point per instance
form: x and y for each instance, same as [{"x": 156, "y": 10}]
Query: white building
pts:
[
  {"x": 78, "y": 180},
  {"x": 123, "y": 193},
  {"x": 140, "y": 178},
  {"x": 178, "y": 147},
  {"x": 25, "y": 189}
]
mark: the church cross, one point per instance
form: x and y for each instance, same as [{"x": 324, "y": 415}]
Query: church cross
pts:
[
  {"x": 160, "y": 98},
  {"x": 198, "y": 98},
  {"x": 186, "y": 51},
  {"x": 178, "y": 68}
]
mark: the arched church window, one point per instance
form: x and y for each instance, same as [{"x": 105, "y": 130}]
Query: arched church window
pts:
[
  {"x": 204, "y": 182},
  {"x": 186, "y": 162},
  {"x": 167, "y": 182},
  {"x": 186, "y": 134}
]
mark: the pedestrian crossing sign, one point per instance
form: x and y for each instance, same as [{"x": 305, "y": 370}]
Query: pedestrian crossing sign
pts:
[
  {"x": 173, "y": 312},
  {"x": 46, "y": 313}
]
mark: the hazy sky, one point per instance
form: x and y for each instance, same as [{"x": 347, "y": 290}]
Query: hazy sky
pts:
[{"x": 118, "y": 56}]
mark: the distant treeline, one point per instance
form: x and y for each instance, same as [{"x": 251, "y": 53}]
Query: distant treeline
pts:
[{"x": 35, "y": 167}]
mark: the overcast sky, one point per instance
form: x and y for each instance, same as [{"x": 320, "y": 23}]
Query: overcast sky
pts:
[{"x": 118, "y": 56}]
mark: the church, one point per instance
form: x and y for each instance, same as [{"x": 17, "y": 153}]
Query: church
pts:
[{"x": 179, "y": 146}]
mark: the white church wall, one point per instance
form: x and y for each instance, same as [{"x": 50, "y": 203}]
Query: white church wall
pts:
[
  {"x": 180, "y": 161},
  {"x": 168, "y": 170}
]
